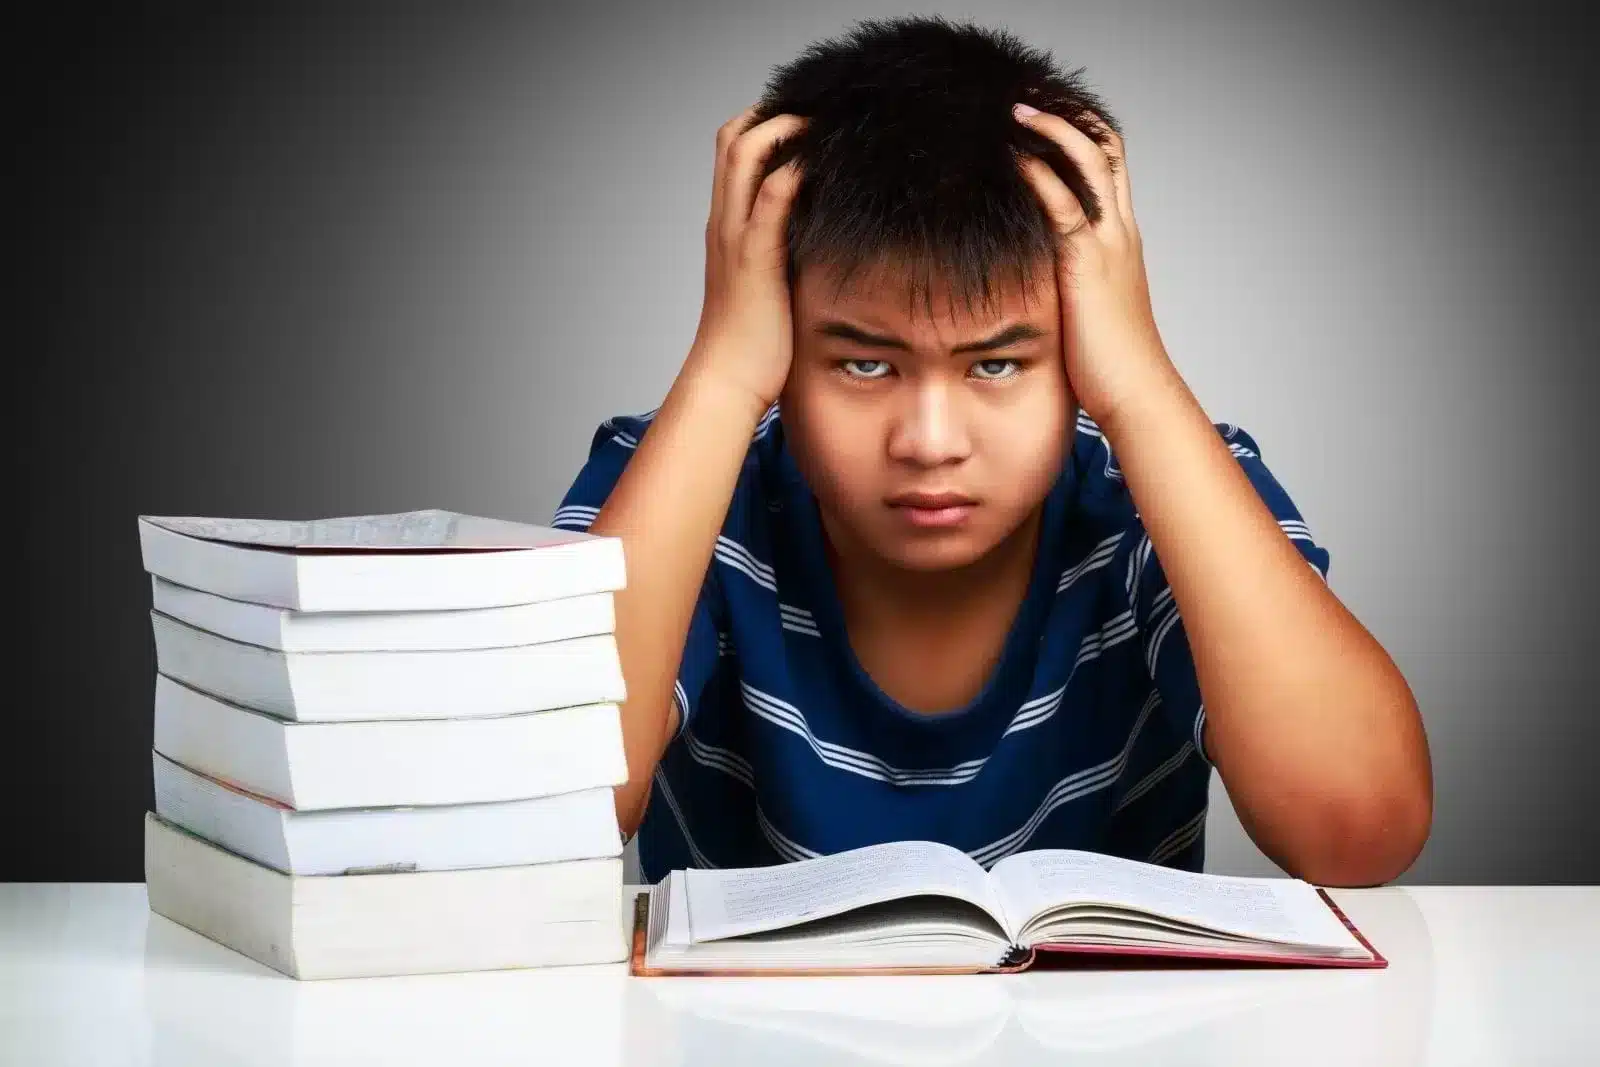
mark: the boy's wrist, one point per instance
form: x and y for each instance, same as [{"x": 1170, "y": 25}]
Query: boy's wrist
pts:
[
  {"x": 1155, "y": 397},
  {"x": 708, "y": 376}
]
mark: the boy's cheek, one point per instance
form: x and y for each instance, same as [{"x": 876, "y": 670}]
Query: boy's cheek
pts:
[{"x": 840, "y": 460}]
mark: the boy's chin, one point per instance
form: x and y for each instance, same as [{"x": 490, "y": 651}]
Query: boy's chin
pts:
[{"x": 945, "y": 551}]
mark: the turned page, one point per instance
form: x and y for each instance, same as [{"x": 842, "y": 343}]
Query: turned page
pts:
[
  {"x": 731, "y": 903},
  {"x": 1281, "y": 910}
]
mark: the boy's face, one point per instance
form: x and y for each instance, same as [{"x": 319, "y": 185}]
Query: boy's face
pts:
[{"x": 923, "y": 451}]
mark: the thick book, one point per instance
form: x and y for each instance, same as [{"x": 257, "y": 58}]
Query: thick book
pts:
[
  {"x": 320, "y": 766},
  {"x": 430, "y": 560},
  {"x": 385, "y": 631},
  {"x": 354, "y": 686},
  {"x": 439, "y": 837},
  {"x": 374, "y": 925},
  {"x": 919, "y": 907}
]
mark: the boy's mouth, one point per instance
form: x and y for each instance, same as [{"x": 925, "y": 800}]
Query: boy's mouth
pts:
[{"x": 933, "y": 510}]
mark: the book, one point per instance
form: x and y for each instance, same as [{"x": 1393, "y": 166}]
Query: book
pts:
[
  {"x": 374, "y": 925},
  {"x": 428, "y": 560},
  {"x": 553, "y": 829},
  {"x": 351, "y": 686},
  {"x": 391, "y": 631},
  {"x": 398, "y": 763},
  {"x": 924, "y": 907}
]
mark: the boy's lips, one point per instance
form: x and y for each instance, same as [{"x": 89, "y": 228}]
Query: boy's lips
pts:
[
  {"x": 930, "y": 500},
  {"x": 933, "y": 510}
]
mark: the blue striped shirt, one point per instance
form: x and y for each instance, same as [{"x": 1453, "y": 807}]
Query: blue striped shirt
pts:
[{"x": 1086, "y": 735}]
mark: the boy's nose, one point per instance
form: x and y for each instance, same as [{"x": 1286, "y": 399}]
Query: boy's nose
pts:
[{"x": 930, "y": 429}]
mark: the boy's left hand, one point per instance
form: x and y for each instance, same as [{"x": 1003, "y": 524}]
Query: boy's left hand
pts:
[{"x": 1112, "y": 348}]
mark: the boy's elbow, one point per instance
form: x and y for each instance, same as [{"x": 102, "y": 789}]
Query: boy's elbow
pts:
[
  {"x": 1368, "y": 821},
  {"x": 630, "y": 811},
  {"x": 1365, "y": 839}
]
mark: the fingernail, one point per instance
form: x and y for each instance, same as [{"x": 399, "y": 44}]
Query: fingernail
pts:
[{"x": 1023, "y": 111}]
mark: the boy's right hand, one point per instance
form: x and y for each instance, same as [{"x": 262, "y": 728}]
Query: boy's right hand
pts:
[{"x": 746, "y": 332}]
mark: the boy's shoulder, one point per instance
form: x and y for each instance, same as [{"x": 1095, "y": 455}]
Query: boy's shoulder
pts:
[
  {"x": 1100, "y": 474},
  {"x": 1093, "y": 451},
  {"x": 1103, "y": 505},
  {"x": 625, "y": 432},
  {"x": 762, "y": 479}
]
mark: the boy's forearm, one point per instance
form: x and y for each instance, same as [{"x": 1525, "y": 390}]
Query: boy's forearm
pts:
[
  {"x": 1313, "y": 728},
  {"x": 668, "y": 507}
]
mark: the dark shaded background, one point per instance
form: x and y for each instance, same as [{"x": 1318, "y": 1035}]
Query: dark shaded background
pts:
[{"x": 338, "y": 259}]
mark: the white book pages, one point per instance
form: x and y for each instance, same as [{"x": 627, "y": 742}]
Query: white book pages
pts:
[
  {"x": 477, "y": 563},
  {"x": 569, "y": 826},
  {"x": 355, "y": 686},
  {"x": 429, "y": 529},
  {"x": 372, "y": 925},
  {"x": 384, "y": 631},
  {"x": 1037, "y": 885},
  {"x": 320, "y": 766},
  {"x": 732, "y": 903}
]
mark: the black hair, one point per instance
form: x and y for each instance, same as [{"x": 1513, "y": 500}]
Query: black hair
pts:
[{"x": 910, "y": 156}]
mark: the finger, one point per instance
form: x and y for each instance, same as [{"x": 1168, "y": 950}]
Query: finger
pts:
[
  {"x": 726, "y": 134},
  {"x": 1116, "y": 151},
  {"x": 1082, "y": 150},
  {"x": 1060, "y": 204},
  {"x": 766, "y": 236},
  {"x": 746, "y": 155}
]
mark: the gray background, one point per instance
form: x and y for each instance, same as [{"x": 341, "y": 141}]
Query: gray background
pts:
[{"x": 303, "y": 263}]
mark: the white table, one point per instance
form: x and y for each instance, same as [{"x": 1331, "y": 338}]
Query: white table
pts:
[{"x": 1477, "y": 976}]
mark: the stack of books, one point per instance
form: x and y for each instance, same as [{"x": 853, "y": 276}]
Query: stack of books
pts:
[{"x": 386, "y": 744}]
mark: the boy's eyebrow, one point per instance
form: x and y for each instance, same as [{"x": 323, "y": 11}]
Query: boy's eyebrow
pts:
[{"x": 1010, "y": 335}]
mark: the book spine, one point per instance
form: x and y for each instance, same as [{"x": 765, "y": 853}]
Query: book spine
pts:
[{"x": 1015, "y": 957}]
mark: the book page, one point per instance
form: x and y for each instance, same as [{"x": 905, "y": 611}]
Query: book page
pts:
[
  {"x": 430, "y": 529},
  {"x": 1268, "y": 909},
  {"x": 730, "y": 903}
]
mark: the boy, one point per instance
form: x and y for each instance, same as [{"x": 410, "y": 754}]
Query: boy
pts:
[{"x": 929, "y": 540}]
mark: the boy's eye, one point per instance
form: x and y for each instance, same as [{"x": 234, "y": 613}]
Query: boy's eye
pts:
[
  {"x": 865, "y": 368},
  {"x": 995, "y": 369}
]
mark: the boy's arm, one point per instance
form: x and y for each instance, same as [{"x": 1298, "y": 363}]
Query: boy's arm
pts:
[
  {"x": 1311, "y": 725},
  {"x": 668, "y": 507},
  {"x": 669, "y": 503}
]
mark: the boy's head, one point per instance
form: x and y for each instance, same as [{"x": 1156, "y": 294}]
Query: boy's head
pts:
[{"x": 912, "y": 238}]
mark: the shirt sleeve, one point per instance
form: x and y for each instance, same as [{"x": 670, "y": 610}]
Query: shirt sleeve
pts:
[
  {"x": 1165, "y": 644},
  {"x": 613, "y": 444}
]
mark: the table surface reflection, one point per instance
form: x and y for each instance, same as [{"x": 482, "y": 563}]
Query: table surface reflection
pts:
[{"x": 1477, "y": 975}]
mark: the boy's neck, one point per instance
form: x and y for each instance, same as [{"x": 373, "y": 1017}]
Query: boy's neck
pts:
[{"x": 930, "y": 639}]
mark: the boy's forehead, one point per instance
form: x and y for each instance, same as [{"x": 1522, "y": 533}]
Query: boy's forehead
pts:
[{"x": 898, "y": 297}]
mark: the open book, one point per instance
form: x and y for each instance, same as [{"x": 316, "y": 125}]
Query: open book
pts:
[{"x": 923, "y": 907}]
